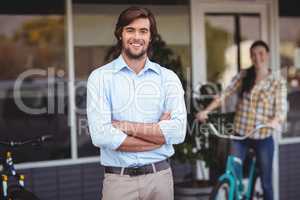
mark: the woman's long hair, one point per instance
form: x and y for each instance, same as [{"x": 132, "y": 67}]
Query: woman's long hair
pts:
[
  {"x": 248, "y": 81},
  {"x": 250, "y": 75}
]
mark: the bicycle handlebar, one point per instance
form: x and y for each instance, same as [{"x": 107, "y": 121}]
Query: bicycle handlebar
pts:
[
  {"x": 216, "y": 132},
  {"x": 234, "y": 137},
  {"x": 22, "y": 143}
]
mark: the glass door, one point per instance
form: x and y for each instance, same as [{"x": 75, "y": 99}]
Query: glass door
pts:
[
  {"x": 222, "y": 33},
  {"x": 228, "y": 37},
  {"x": 221, "y": 36}
]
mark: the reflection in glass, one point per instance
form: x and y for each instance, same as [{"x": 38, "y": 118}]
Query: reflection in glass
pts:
[
  {"x": 228, "y": 39},
  {"x": 250, "y": 31},
  {"x": 225, "y": 33},
  {"x": 32, "y": 51},
  {"x": 220, "y": 49},
  {"x": 290, "y": 67},
  {"x": 93, "y": 37}
]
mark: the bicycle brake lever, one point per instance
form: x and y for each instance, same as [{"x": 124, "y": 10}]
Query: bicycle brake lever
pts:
[{"x": 46, "y": 137}]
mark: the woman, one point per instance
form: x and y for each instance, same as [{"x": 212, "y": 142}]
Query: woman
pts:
[{"x": 262, "y": 100}]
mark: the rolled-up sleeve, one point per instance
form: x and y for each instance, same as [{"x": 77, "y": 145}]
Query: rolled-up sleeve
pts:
[
  {"x": 174, "y": 130},
  {"x": 233, "y": 86},
  {"x": 281, "y": 100},
  {"x": 103, "y": 134}
]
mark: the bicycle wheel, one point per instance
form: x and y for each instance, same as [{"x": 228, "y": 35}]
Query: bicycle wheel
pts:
[
  {"x": 220, "y": 191},
  {"x": 257, "y": 192},
  {"x": 19, "y": 193}
]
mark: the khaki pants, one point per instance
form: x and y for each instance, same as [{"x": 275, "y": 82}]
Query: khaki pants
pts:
[{"x": 154, "y": 186}]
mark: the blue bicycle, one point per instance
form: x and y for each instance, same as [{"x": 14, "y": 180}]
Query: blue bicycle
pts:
[{"x": 230, "y": 185}]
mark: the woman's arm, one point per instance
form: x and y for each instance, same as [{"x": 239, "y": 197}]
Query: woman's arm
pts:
[{"x": 218, "y": 99}]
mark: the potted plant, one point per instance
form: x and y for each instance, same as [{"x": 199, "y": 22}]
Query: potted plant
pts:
[{"x": 197, "y": 150}]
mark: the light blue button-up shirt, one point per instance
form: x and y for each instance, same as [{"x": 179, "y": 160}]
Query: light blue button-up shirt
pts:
[{"x": 116, "y": 92}]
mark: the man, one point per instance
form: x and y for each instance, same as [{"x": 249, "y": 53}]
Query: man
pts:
[{"x": 136, "y": 112}]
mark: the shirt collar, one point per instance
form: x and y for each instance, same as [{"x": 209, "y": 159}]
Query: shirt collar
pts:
[
  {"x": 152, "y": 66},
  {"x": 120, "y": 64}
]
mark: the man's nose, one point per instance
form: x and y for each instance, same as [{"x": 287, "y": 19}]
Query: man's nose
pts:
[{"x": 137, "y": 35}]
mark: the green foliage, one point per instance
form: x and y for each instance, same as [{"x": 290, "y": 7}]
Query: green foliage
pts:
[
  {"x": 37, "y": 43},
  {"x": 164, "y": 55},
  {"x": 41, "y": 32}
]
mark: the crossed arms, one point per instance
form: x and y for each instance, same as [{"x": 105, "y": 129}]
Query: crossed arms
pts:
[
  {"x": 134, "y": 136},
  {"x": 141, "y": 136}
]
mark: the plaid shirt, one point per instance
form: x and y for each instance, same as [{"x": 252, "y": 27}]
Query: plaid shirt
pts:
[{"x": 265, "y": 101}]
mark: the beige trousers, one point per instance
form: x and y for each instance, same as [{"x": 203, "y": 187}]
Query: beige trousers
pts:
[{"x": 155, "y": 186}]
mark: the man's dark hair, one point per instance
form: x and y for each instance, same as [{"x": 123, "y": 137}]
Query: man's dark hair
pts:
[
  {"x": 250, "y": 76},
  {"x": 127, "y": 17}
]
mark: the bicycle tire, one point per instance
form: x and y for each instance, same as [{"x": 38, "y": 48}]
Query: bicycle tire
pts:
[
  {"x": 16, "y": 192},
  {"x": 221, "y": 185}
]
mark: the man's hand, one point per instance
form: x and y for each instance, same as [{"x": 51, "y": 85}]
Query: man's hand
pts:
[
  {"x": 124, "y": 126},
  {"x": 165, "y": 116},
  {"x": 133, "y": 144},
  {"x": 149, "y": 132},
  {"x": 129, "y": 127}
]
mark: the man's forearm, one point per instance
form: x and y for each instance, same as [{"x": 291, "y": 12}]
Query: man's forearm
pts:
[
  {"x": 146, "y": 131},
  {"x": 132, "y": 144}
]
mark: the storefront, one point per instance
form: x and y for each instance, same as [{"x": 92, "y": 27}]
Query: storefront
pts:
[{"x": 48, "y": 49}]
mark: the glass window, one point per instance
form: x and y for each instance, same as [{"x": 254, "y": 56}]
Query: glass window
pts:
[
  {"x": 94, "y": 26},
  {"x": 221, "y": 56},
  {"x": 228, "y": 39},
  {"x": 93, "y": 37},
  {"x": 290, "y": 65},
  {"x": 33, "y": 77},
  {"x": 250, "y": 31}
]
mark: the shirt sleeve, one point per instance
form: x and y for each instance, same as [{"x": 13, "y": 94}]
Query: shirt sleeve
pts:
[
  {"x": 281, "y": 100},
  {"x": 174, "y": 130},
  {"x": 103, "y": 134},
  {"x": 233, "y": 86}
]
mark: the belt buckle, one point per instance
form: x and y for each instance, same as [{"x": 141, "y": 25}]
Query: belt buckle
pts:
[{"x": 135, "y": 171}]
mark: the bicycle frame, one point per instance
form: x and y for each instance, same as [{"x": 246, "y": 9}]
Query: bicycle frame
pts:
[
  {"x": 234, "y": 169},
  {"x": 234, "y": 176}
]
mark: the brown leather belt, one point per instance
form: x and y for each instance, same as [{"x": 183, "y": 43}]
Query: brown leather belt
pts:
[{"x": 137, "y": 171}]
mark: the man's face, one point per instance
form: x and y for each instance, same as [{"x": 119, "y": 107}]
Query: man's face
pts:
[{"x": 136, "y": 38}]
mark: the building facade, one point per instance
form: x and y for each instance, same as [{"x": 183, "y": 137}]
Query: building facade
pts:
[{"x": 48, "y": 49}]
